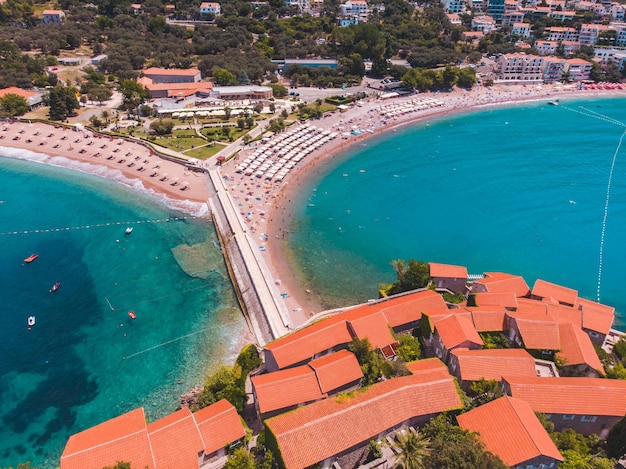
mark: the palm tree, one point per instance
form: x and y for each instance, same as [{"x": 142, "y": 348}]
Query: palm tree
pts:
[{"x": 412, "y": 448}]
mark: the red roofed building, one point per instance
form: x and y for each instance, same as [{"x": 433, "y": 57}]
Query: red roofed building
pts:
[
  {"x": 506, "y": 300},
  {"x": 326, "y": 430},
  {"x": 597, "y": 319},
  {"x": 577, "y": 352},
  {"x": 533, "y": 307},
  {"x": 285, "y": 389},
  {"x": 472, "y": 365},
  {"x": 553, "y": 293},
  {"x": 498, "y": 282},
  {"x": 403, "y": 315},
  {"x": 316, "y": 340},
  {"x": 510, "y": 429},
  {"x": 181, "y": 440},
  {"x": 220, "y": 426},
  {"x": 428, "y": 368},
  {"x": 33, "y": 98},
  {"x": 293, "y": 387},
  {"x": 52, "y": 16},
  {"x": 175, "y": 440},
  {"x": 488, "y": 319},
  {"x": 337, "y": 372},
  {"x": 336, "y": 332},
  {"x": 173, "y": 75},
  {"x": 375, "y": 328},
  {"x": 123, "y": 438},
  {"x": 452, "y": 277},
  {"x": 455, "y": 331},
  {"x": 534, "y": 331},
  {"x": 587, "y": 405}
]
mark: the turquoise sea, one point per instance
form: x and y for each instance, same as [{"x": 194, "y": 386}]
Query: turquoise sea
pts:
[
  {"x": 85, "y": 360},
  {"x": 521, "y": 189}
]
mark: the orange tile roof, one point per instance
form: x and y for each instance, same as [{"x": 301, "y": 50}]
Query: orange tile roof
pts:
[
  {"x": 305, "y": 343},
  {"x": 577, "y": 349},
  {"x": 320, "y": 430},
  {"x": 411, "y": 309},
  {"x": 429, "y": 369},
  {"x": 502, "y": 282},
  {"x": 596, "y": 317},
  {"x": 205, "y": 86},
  {"x": 447, "y": 270},
  {"x": 173, "y": 441},
  {"x": 539, "y": 333},
  {"x": 17, "y": 91},
  {"x": 336, "y": 370},
  {"x": 565, "y": 314},
  {"x": 487, "y": 320},
  {"x": 551, "y": 292},
  {"x": 333, "y": 331},
  {"x": 286, "y": 388},
  {"x": 493, "y": 363},
  {"x": 504, "y": 299},
  {"x": 219, "y": 425},
  {"x": 455, "y": 330},
  {"x": 435, "y": 316},
  {"x": 122, "y": 438},
  {"x": 373, "y": 327},
  {"x": 579, "y": 396},
  {"x": 528, "y": 306},
  {"x": 176, "y": 440},
  {"x": 171, "y": 71},
  {"x": 510, "y": 430}
]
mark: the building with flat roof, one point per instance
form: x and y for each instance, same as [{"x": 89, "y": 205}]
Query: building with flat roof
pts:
[{"x": 172, "y": 75}]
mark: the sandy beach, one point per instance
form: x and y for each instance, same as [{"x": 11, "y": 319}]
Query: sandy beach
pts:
[
  {"x": 133, "y": 161},
  {"x": 266, "y": 208},
  {"x": 303, "y": 151}
]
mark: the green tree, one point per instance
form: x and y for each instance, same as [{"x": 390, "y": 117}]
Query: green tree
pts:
[
  {"x": 411, "y": 275},
  {"x": 466, "y": 78},
  {"x": 369, "y": 360},
  {"x": 63, "y": 102},
  {"x": 412, "y": 448},
  {"x": 279, "y": 91},
  {"x": 223, "y": 77},
  {"x": 241, "y": 123},
  {"x": 162, "y": 126},
  {"x": 485, "y": 390},
  {"x": 240, "y": 459},
  {"x": 616, "y": 440},
  {"x": 408, "y": 348},
  {"x": 223, "y": 384},
  {"x": 100, "y": 93},
  {"x": 455, "y": 448},
  {"x": 12, "y": 105},
  {"x": 133, "y": 94}
]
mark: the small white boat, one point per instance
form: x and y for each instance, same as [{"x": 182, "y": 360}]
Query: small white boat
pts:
[
  {"x": 554, "y": 103},
  {"x": 31, "y": 321},
  {"x": 129, "y": 230}
]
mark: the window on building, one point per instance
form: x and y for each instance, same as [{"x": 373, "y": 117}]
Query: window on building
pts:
[
  {"x": 588, "y": 418},
  {"x": 568, "y": 417}
]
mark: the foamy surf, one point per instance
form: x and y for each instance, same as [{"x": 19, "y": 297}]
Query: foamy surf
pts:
[{"x": 196, "y": 209}]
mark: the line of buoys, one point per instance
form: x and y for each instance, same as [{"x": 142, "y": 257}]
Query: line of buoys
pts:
[
  {"x": 606, "y": 213},
  {"x": 595, "y": 115},
  {"x": 95, "y": 225}
]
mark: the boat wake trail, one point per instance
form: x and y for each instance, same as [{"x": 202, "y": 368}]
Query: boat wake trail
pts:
[{"x": 606, "y": 212}]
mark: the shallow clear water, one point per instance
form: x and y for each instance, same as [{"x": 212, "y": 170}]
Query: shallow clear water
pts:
[
  {"x": 519, "y": 190},
  {"x": 85, "y": 360}
]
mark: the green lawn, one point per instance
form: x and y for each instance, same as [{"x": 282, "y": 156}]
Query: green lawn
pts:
[{"x": 206, "y": 152}]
